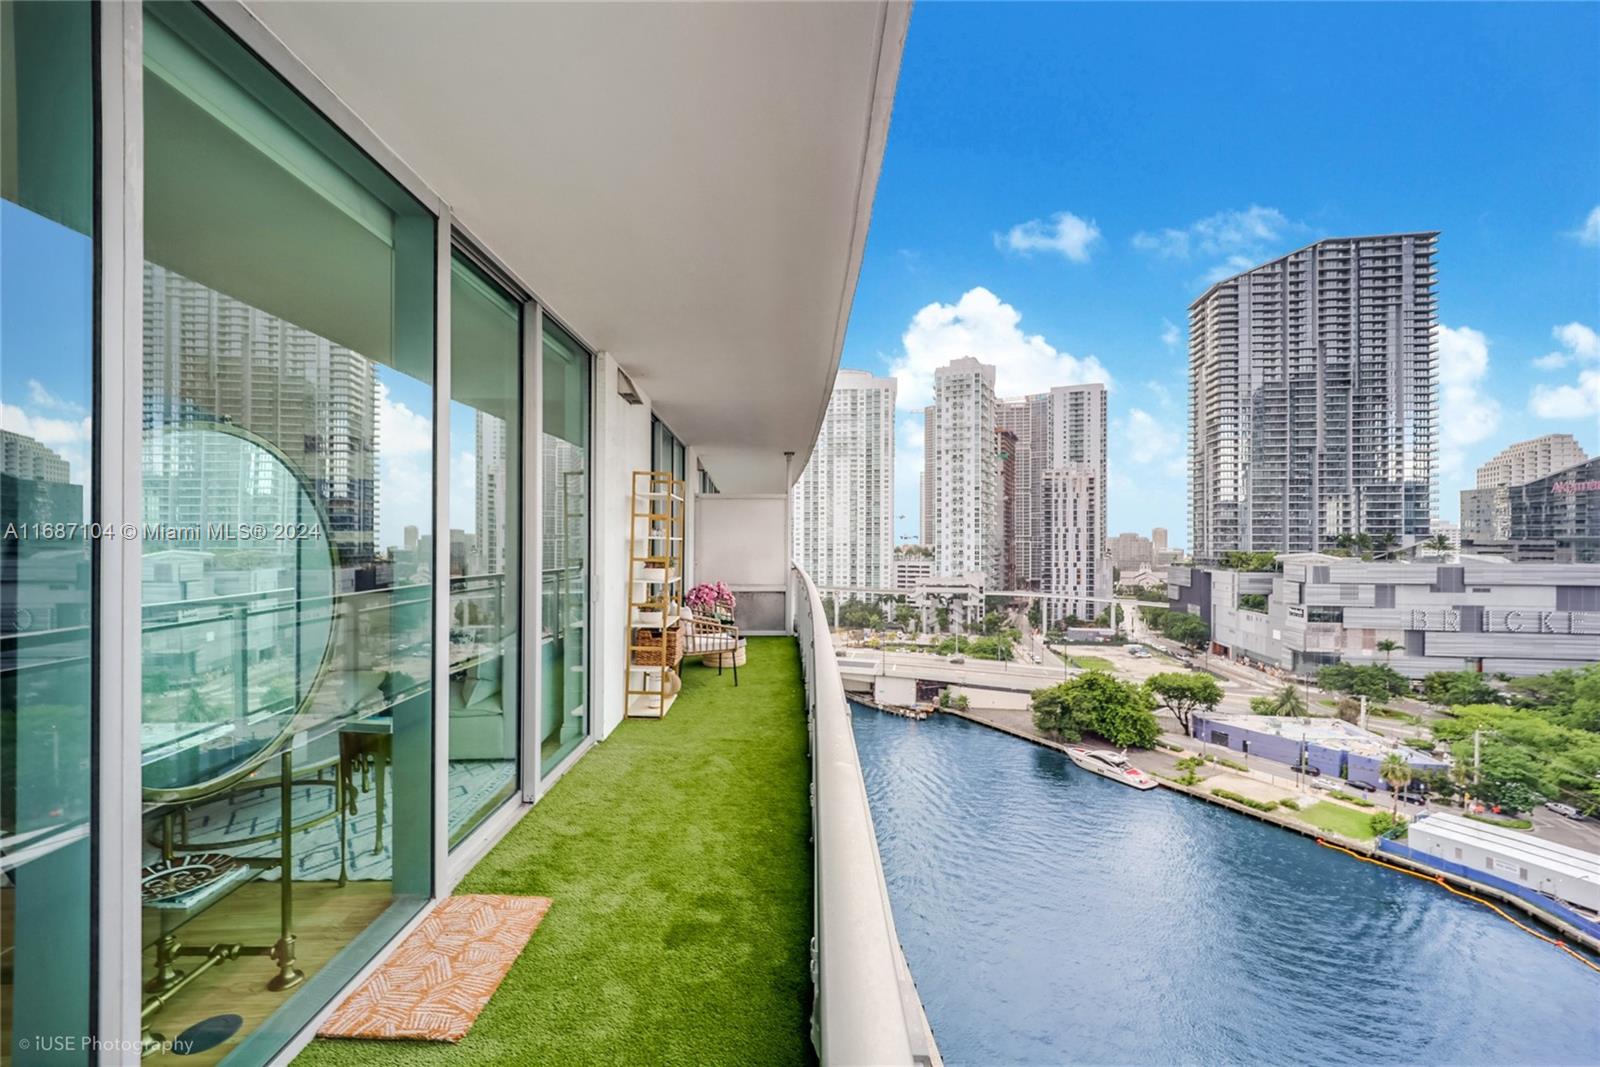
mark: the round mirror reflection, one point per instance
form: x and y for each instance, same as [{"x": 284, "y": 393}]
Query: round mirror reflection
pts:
[{"x": 238, "y": 582}]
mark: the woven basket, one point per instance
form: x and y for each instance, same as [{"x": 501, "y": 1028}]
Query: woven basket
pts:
[{"x": 650, "y": 657}]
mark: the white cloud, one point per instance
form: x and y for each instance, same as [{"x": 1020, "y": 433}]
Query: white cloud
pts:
[
  {"x": 1148, "y": 440},
  {"x": 50, "y": 432},
  {"x": 69, "y": 438},
  {"x": 1162, "y": 394},
  {"x": 1222, "y": 234},
  {"x": 1568, "y": 401},
  {"x": 1589, "y": 232},
  {"x": 1235, "y": 264},
  {"x": 1468, "y": 414},
  {"x": 1579, "y": 344},
  {"x": 405, "y": 468},
  {"x": 1065, "y": 233},
  {"x": 1171, "y": 336},
  {"x": 981, "y": 325},
  {"x": 401, "y": 431},
  {"x": 40, "y": 397}
]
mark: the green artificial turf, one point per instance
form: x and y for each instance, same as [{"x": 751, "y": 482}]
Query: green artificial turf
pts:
[{"x": 677, "y": 855}]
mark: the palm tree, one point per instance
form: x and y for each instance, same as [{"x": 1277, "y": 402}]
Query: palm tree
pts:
[
  {"x": 1344, "y": 541},
  {"x": 1388, "y": 648},
  {"x": 1364, "y": 542},
  {"x": 1439, "y": 543},
  {"x": 1395, "y": 770},
  {"x": 1386, "y": 543},
  {"x": 1287, "y": 701}
]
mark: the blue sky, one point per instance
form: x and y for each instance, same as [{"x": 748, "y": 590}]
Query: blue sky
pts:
[{"x": 1062, "y": 180}]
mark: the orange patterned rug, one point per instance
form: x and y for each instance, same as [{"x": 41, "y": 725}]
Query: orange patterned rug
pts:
[{"x": 442, "y": 975}]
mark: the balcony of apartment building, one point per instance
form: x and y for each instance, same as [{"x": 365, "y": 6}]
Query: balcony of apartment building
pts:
[{"x": 567, "y": 243}]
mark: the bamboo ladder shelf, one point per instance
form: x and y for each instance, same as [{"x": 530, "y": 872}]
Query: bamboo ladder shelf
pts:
[{"x": 655, "y": 593}]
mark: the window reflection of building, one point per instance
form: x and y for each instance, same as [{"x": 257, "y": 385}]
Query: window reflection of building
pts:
[
  {"x": 209, "y": 357},
  {"x": 491, "y": 492}
]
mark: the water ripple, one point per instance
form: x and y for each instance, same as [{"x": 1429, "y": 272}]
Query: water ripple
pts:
[{"x": 1051, "y": 916}]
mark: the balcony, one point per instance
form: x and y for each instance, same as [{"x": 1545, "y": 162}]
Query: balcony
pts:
[{"x": 678, "y": 859}]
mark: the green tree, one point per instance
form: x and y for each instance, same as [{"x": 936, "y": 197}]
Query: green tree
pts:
[
  {"x": 1284, "y": 701},
  {"x": 904, "y": 616},
  {"x": 1035, "y": 614},
  {"x": 860, "y": 615},
  {"x": 1184, "y": 694},
  {"x": 1508, "y": 777},
  {"x": 1388, "y": 647},
  {"x": 1375, "y": 681},
  {"x": 1395, "y": 770},
  {"x": 1451, "y": 688},
  {"x": 1094, "y": 702},
  {"x": 1439, "y": 543},
  {"x": 1250, "y": 561},
  {"x": 1256, "y": 602},
  {"x": 941, "y": 615},
  {"x": 1184, "y": 628}
]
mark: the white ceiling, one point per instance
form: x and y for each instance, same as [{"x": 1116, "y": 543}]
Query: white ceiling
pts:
[{"x": 686, "y": 184}]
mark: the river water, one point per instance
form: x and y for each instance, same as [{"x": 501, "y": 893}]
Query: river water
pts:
[{"x": 1051, "y": 916}]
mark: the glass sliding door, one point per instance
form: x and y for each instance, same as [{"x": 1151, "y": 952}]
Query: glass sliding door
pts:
[
  {"x": 485, "y": 544},
  {"x": 564, "y": 596},
  {"x": 47, "y": 347},
  {"x": 289, "y": 289}
]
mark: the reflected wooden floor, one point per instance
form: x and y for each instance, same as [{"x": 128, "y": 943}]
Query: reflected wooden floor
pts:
[{"x": 326, "y": 918}]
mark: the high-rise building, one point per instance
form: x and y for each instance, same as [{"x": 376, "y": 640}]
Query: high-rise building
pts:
[
  {"x": 1018, "y": 494},
  {"x": 1072, "y": 564},
  {"x": 1486, "y": 510},
  {"x": 1527, "y": 461},
  {"x": 1158, "y": 542},
  {"x": 489, "y": 473},
  {"x": 1130, "y": 551},
  {"x": 844, "y": 500},
  {"x": 965, "y": 468},
  {"x": 1006, "y": 498},
  {"x": 993, "y": 509},
  {"x": 23, "y": 457},
  {"x": 1311, "y": 398},
  {"x": 928, "y": 424},
  {"x": 212, "y": 358}
]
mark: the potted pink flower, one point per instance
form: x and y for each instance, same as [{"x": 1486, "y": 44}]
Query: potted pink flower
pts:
[{"x": 712, "y": 600}]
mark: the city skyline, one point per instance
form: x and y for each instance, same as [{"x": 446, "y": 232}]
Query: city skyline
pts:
[{"x": 1011, "y": 228}]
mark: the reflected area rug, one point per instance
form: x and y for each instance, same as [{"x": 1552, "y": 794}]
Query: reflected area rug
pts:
[{"x": 443, "y": 974}]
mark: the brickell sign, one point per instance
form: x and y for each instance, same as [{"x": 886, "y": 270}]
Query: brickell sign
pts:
[
  {"x": 1576, "y": 487},
  {"x": 1509, "y": 621}
]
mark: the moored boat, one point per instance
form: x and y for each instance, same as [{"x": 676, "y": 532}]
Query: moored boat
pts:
[{"x": 1109, "y": 764}]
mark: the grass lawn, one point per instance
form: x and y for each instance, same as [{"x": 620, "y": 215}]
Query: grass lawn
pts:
[
  {"x": 1093, "y": 663},
  {"x": 1336, "y": 818},
  {"x": 677, "y": 855}
]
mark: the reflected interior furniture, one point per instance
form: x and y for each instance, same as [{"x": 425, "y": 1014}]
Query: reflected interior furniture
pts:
[
  {"x": 215, "y": 739},
  {"x": 655, "y": 594}
]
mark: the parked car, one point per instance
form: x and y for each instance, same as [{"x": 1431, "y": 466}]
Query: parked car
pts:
[
  {"x": 958, "y": 659},
  {"x": 1325, "y": 783},
  {"x": 1566, "y": 811},
  {"x": 1361, "y": 787},
  {"x": 1411, "y": 797}
]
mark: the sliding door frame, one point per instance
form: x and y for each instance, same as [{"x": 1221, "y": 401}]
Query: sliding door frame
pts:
[{"x": 115, "y": 945}]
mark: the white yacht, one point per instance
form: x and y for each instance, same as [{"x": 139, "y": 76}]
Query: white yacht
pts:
[{"x": 1109, "y": 764}]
